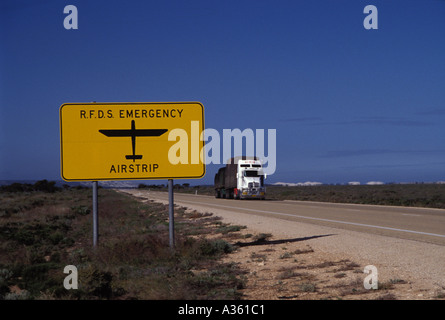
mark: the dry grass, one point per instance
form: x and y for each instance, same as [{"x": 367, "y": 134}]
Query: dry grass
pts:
[
  {"x": 414, "y": 195},
  {"x": 41, "y": 233}
]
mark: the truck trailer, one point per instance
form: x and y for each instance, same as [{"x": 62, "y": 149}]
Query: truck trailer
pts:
[{"x": 241, "y": 178}]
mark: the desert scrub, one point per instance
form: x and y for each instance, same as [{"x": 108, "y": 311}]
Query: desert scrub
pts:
[
  {"x": 418, "y": 195},
  {"x": 43, "y": 231},
  {"x": 307, "y": 287},
  {"x": 286, "y": 255},
  {"x": 215, "y": 247}
]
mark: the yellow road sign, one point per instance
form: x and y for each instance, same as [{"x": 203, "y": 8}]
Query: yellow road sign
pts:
[{"x": 131, "y": 141}]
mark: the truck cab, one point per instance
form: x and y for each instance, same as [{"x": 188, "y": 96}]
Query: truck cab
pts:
[
  {"x": 250, "y": 180},
  {"x": 241, "y": 178}
]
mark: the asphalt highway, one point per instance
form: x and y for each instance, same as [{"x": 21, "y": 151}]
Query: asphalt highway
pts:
[{"x": 421, "y": 224}]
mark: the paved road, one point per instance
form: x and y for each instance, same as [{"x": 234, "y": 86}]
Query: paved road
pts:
[{"x": 427, "y": 225}]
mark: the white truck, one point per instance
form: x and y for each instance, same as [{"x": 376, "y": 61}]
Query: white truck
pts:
[{"x": 241, "y": 178}]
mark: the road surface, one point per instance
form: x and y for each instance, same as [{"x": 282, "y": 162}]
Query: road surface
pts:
[{"x": 420, "y": 224}]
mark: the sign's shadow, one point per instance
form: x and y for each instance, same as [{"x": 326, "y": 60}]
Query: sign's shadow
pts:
[{"x": 262, "y": 241}]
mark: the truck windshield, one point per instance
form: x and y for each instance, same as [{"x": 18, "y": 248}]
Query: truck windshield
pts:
[{"x": 251, "y": 173}]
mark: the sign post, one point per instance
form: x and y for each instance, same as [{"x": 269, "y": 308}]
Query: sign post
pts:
[
  {"x": 171, "y": 216},
  {"x": 131, "y": 141},
  {"x": 95, "y": 215}
]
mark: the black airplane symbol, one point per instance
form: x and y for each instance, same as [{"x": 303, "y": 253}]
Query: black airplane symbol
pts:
[{"x": 133, "y": 133}]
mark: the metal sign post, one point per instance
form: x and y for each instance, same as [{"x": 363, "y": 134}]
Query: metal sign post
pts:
[
  {"x": 95, "y": 215},
  {"x": 171, "y": 216}
]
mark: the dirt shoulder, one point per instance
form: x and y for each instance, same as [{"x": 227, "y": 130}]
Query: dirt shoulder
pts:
[{"x": 289, "y": 260}]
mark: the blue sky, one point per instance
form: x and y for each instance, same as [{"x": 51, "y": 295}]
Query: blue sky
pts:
[{"x": 348, "y": 104}]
